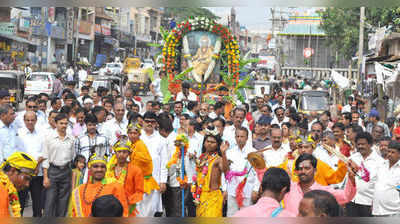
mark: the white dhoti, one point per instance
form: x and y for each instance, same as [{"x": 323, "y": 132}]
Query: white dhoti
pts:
[
  {"x": 150, "y": 204},
  {"x": 233, "y": 206}
]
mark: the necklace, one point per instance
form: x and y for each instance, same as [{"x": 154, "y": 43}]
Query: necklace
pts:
[
  {"x": 96, "y": 195},
  {"x": 202, "y": 171}
]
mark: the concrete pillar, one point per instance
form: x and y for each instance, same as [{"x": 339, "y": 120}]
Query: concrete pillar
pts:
[{"x": 91, "y": 50}]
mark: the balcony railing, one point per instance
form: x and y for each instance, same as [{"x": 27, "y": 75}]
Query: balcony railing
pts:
[{"x": 318, "y": 73}]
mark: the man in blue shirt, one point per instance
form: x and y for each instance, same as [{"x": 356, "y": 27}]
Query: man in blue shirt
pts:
[{"x": 9, "y": 141}]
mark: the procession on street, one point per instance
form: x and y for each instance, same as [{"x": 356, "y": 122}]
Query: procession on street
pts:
[{"x": 199, "y": 123}]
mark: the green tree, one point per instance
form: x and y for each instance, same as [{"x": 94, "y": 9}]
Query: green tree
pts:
[
  {"x": 181, "y": 14},
  {"x": 341, "y": 25}
]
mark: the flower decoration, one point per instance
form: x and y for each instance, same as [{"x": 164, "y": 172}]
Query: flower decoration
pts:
[
  {"x": 181, "y": 141},
  {"x": 173, "y": 43},
  {"x": 202, "y": 170},
  {"x": 15, "y": 206}
]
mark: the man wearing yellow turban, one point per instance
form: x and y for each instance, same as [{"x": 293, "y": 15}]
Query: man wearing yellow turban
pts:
[
  {"x": 84, "y": 195},
  {"x": 324, "y": 175},
  {"x": 126, "y": 173},
  {"x": 15, "y": 175}
]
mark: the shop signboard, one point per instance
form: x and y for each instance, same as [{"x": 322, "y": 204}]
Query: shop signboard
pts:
[
  {"x": 24, "y": 24},
  {"x": 106, "y": 27},
  {"x": 70, "y": 25},
  {"x": 85, "y": 27},
  {"x": 97, "y": 29},
  {"x": 57, "y": 32},
  {"x": 7, "y": 28}
]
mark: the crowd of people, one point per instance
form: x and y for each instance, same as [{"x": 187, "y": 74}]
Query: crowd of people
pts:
[{"x": 82, "y": 152}]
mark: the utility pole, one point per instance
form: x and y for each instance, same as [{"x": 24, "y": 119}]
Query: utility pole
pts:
[
  {"x": 77, "y": 34},
  {"x": 273, "y": 31},
  {"x": 360, "y": 44}
]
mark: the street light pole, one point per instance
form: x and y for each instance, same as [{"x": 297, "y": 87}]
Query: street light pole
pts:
[{"x": 360, "y": 44}]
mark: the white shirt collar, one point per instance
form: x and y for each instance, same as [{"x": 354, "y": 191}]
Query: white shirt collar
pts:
[
  {"x": 397, "y": 164},
  {"x": 2, "y": 124},
  {"x": 25, "y": 130}
]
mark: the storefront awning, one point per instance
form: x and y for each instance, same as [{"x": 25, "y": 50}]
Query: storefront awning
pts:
[{"x": 17, "y": 38}]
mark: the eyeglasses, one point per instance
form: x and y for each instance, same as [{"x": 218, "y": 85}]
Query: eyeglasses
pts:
[
  {"x": 150, "y": 121},
  {"x": 32, "y": 107}
]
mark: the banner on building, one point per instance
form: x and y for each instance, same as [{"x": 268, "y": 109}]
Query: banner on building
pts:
[
  {"x": 340, "y": 80},
  {"x": 7, "y": 28},
  {"x": 106, "y": 27},
  {"x": 70, "y": 25},
  {"x": 97, "y": 29},
  {"x": 24, "y": 24},
  {"x": 382, "y": 73},
  {"x": 51, "y": 14}
]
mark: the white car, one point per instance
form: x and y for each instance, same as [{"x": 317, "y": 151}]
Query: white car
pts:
[
  {"x": 40, "y": 82},
  {"x": 147, "y": 63},
  {"x": 113, "y": 68}
]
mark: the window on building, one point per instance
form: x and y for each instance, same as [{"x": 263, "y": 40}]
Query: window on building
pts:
[{"x": 84, "y": 14}]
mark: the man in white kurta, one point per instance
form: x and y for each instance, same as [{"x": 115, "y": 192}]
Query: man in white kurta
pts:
[
  {"x": 237, "y": 157},
  {"x": 155, "y": 143}
]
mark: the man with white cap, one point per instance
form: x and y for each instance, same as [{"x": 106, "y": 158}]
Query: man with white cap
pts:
[{"x": 88, "y": 103}]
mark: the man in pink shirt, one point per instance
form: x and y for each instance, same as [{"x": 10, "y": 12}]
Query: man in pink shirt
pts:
[
  {"x": 275, "y": 184},
  {"x": 319, "y": 203},
  {"x": 306, "y": 167}
]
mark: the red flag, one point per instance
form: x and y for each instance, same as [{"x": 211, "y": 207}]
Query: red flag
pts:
[{"x": 239, "y": 193}]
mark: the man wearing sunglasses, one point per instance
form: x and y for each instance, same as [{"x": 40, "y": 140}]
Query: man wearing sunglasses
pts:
[
  {"x": 157, "y": 147},
  {"x": 30, "y": 105}
]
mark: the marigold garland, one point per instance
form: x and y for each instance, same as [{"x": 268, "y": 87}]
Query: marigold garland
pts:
[
  {"x": 174, "y": 40},
  {"x": 12, "y": 195},
  {"x": 199, "y": 180},
  {"x": 181, "y": 140}
]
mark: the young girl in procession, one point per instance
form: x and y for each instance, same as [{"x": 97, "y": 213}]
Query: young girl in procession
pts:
[{"x": 77, "y": 175}]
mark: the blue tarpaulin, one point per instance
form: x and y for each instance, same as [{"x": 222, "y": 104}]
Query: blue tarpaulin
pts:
[{"x": 100, "y": 60}]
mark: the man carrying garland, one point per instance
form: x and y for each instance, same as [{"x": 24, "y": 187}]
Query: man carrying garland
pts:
[
  {"x": 212, "y": 163},
  {"x": 97, "y": 186},
  {"x": 126, "y": 173},
  {"x": 15, "y": 175}
]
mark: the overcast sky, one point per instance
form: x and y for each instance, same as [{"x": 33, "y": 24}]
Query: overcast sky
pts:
[{"x": 254, "y": 18}]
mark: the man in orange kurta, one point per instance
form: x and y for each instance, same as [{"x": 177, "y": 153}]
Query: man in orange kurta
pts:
[
  {"x": 141, "y": 158},
  {"x": 83, "y": 196},
  {"x": 126, "y": 173},
  {"x": 324, "y": 174}
]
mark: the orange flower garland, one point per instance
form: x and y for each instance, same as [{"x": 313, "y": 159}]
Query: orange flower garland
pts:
[
  {"x": 181, "y": 140},
  {"x": 174, "y": 40},
  {"x": 199, "y": 178},
  {"x": 12, "y": 195}
]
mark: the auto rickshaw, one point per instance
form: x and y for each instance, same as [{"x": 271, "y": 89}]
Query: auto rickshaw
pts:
[
  {"x": 13, "y": 82},
  {"x": 313, "y": 100},
  {"x": 137, "y": 77},
  {"x": 109, "y": 82},
  {"x": 131, "y": 64}
]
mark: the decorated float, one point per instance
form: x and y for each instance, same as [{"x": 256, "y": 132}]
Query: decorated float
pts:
[{"x": 206, "y": 54}]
